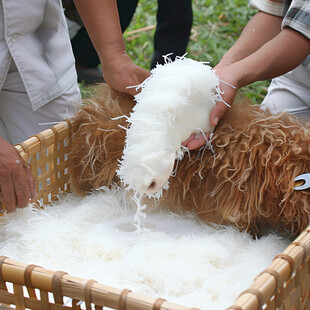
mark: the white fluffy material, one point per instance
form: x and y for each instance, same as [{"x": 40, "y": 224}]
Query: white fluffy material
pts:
[
  {"x": 174, "y": 102},
  {"x": 188, "y": 263}
]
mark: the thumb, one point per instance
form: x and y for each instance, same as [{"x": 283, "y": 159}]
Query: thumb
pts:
[{"x": 217, "y": 113}]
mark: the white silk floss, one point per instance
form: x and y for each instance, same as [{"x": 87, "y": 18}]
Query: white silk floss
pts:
[{"x": 174, "y": 102}]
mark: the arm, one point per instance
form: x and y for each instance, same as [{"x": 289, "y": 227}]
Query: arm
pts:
[
  {"x": 282, "y": 53},
  {"x": 260, "y": 29},
  {"x": 102, "y": 23}
]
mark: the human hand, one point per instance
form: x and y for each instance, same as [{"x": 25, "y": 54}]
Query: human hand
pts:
[
  {"x": 228, "y": 93},
  {"x": 120, "y": 72},
  {"x": 17, "y": 184}
]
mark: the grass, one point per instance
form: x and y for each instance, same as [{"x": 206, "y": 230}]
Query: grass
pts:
[{"x": 217, "y": 25}]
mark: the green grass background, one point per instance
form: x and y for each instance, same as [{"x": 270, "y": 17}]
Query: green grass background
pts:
[{"x": 217, "y": 25}]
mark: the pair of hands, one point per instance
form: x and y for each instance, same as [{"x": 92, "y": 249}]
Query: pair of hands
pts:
[
  {"x": 120, "y": 72},
  {"x": 17, "y": 185}
]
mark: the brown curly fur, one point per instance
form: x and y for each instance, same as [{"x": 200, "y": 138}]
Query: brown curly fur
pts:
[{"x": 248, "y": 182}]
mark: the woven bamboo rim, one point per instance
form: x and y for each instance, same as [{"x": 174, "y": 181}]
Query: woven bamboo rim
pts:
[
  {"x": 283, "y": 285},
  {"x": 33, "y": 145},
  {"x": 292, "y": 265},
  {"x": 61, "y": 284},
  {"x": 267, "y": 284},
  {"x": 47, "y": 153}
]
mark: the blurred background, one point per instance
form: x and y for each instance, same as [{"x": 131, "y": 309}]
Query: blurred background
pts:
[{"x": 216, "y": 26}]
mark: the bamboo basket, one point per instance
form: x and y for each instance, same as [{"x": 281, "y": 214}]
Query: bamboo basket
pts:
[{"x": 284, "y": 285}]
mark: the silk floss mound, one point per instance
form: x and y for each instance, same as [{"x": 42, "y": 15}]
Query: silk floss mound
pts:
[{"x": 174, "y": 102}]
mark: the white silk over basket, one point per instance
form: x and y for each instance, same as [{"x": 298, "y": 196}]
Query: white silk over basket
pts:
[
  {"x": 174, "y": 102},
  {"x": 175, "y": 257}
]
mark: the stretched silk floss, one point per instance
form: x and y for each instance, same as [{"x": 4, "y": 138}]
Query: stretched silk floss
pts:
[{"x": 174, "y": 102}]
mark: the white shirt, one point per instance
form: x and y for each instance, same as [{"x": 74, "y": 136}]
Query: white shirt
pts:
[{"x": 34, "y": 33}]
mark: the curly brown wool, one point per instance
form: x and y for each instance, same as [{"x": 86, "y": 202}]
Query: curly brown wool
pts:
[{"x": 248, "y": 182}]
